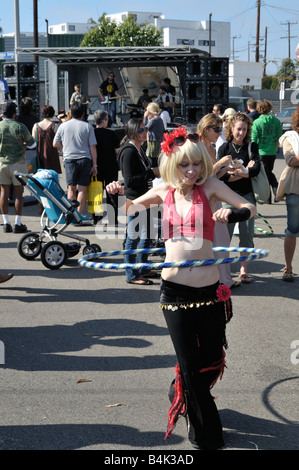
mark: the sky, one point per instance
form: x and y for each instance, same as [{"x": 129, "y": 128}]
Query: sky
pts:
[{"x": 241, "y": 15}]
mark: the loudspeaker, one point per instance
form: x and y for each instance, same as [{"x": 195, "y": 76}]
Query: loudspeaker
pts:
[
  {"x": 217, "y": 92},
  {"x": 196, "y": 69},
  {"x": 18, "y": 91},
  {"x": 30, "y": 90},
  {"x": 193, "y": 114},
  {"x": 205, "y": 83},
  {"x": 13, "y": 91},
  {"x": 20, "y": 71},
  {"x": 217, "y": 68},
  {"x": 196, "y": 92}
]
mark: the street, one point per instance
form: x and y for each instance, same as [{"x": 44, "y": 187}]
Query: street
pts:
[{"x": 88, "y": 360}]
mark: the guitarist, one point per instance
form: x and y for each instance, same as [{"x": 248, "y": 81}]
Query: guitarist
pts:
[{"x": 108, "y": 92}]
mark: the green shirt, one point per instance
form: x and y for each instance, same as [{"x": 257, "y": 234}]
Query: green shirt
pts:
[
  {"x": 13, "y": 135},
  {"x": 266, "y": 131}
]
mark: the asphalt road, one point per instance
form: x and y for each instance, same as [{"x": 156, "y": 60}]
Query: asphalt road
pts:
[{"x": 77, "y": 324}]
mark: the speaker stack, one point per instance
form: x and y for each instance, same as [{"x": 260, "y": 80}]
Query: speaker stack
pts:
[
  {"x": 206, "y": 84},
  {"x": 22, "y": 80}
]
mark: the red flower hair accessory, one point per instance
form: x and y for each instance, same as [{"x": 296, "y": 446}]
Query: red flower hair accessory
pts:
[
  {"x": 168, "y": 140},
  {"x": 223, "y": 293},
  {"x": 177, "y": 137}
]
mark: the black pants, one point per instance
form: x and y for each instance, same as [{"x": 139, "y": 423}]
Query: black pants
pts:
[
  {"x": 268, "y": 161},
  {"x": 112, "y": 199},
  {"x": 198, "y": 336}
]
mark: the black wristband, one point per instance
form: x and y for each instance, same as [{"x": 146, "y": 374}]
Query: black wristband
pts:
[{"x": 239, "y": 215}]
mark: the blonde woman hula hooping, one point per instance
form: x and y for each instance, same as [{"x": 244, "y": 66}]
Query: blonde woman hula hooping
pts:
[{"x": 196, "y": 307}]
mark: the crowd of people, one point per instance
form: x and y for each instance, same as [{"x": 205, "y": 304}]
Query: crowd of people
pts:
[
  {"x": 204, "y": 184},
  {"x": 96, "y": 152}
]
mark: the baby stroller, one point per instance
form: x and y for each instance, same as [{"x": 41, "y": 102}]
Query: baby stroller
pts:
[{"x": 58, "y": 210}]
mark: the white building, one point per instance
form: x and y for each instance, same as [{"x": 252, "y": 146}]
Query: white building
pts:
[
  {"x": 183, "y": 32},
  {"x": 70, "y": 28},
  {"x": 245, "y": 75}
]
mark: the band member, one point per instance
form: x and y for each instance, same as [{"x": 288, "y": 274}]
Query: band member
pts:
[
  {"x": 80, "y": 97},
  {"x": 108, "y": 92}
]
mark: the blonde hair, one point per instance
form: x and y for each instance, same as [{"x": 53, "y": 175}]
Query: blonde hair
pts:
[
  {"x": 153, "y": 108},
  {"x": 209, "y": 120},
  {"x": 195, "y": 152},
  {"x": 229, "y": 113}
]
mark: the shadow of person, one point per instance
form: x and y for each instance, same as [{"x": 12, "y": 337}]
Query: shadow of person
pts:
[
  {"x": 79, "y": 436},
  {"x": 245, "y": 432}
]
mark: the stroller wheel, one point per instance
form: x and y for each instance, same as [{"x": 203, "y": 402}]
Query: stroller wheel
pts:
[
  {"x": 53, "y": 255},
  {"x": 29, "y": 246},
  {"x": 93, "y": 248}
]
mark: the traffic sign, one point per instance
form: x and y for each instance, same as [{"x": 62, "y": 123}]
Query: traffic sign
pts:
[{"x": 10, "y": 55}]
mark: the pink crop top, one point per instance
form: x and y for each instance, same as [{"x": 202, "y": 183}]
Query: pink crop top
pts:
[{"x": 197, "y": 223}]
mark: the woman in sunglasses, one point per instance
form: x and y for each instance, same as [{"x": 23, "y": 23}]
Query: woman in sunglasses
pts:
[
  {"x": 138, "y": 176},
  {"x": 238, "y": 136},
  {"x": 209, "y": 128},
  {"x": 196, "y": 307}
]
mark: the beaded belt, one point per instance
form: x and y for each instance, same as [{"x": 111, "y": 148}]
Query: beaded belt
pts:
[{"x": 191, "y": 304}]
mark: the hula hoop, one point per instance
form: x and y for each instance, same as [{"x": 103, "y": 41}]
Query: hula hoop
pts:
[
  {"x": 265, "y": 232},
  {"x": 86, "y": 261}
]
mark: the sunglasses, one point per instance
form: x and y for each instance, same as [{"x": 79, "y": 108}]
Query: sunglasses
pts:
[
  {"x": 216, "y": 129},
  {"x": 142, "y": 129},
  {"x": 180, "y": 140}
]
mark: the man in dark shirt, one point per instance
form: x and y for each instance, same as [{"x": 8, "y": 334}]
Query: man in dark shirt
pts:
[
  {"x": 251, "y": 106},
  {"x": 108, "y": 92},
  {"x": 107, "y": 148}
]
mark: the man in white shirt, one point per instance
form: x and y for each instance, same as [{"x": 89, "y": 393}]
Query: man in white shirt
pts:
[{"x": 77, "y": 140}]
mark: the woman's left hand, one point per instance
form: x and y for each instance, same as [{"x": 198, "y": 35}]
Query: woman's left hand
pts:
[{"x": 221, "y": 215}]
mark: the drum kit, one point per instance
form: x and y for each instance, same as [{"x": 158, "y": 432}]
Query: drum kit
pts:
[{"x": 125, "y": 110}]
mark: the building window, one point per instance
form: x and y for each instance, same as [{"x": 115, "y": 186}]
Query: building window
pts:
[
  {"x": 51, "y": 30},
  {"x": 63, "y": 27},
  {"x": 185, "y": 42},
  {"x": 123, "y": 17},
  {"x": 205, "y": 42},
  {"x": 72, "y": 27}
]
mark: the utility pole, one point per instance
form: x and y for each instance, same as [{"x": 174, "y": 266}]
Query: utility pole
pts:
[
  {"x": 17, "y": 29},
  {"x": 265, "y": 54},
  {"x": 35, "y": 28},
  {"x": 289, "y": 37},
  {"x": 257, "y": 42},
  {"x": 210, "y": 34},
  {"x": 234, "y": 37}
]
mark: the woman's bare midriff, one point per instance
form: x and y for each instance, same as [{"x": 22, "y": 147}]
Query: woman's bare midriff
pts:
[{"x": 178, "y": 250}]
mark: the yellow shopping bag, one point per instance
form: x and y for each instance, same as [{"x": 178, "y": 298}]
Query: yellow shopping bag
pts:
[{"x": 95, "y": 196}]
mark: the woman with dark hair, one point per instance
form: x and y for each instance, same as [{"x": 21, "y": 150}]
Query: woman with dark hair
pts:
[
  {"x": 288, "y": 188},
  {"x": 44, "y": 132},
  {"x": 27, "y": 114},
  {"x": 138, "y": 176},
  {"x": 28, "y": 117},
  {"x": 240, "y": 147}
]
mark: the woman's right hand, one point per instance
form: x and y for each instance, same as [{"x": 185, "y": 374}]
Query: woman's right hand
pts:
[
  {"x": 226, "y": 160},
  {"x": 115, "y": 188}
]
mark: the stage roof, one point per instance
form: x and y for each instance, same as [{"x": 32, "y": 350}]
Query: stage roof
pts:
[{"x": 107, "y": 55}]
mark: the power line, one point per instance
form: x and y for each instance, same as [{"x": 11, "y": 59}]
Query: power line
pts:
[{"x": 287, "y": 10}]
